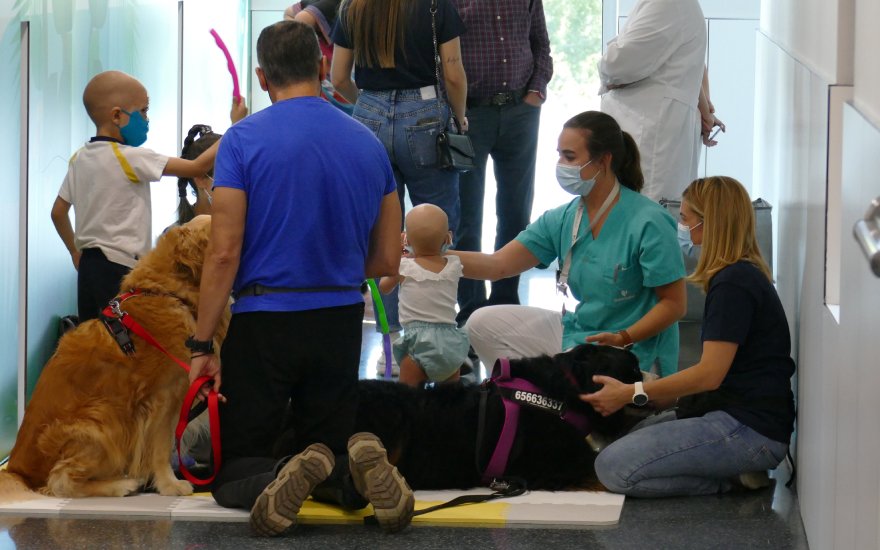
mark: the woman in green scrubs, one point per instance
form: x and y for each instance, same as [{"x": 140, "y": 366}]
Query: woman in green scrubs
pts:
[{"x": 621, "y": 273}]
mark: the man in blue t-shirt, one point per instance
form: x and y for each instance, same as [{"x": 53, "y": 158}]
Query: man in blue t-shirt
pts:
[{"x": 305, "y": 208}]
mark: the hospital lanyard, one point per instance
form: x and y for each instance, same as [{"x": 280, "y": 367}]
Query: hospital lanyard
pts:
[{"x": 562, "y": 275}]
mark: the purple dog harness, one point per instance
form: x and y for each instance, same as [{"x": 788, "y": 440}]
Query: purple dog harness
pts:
[{"x": 514, "y": 393}]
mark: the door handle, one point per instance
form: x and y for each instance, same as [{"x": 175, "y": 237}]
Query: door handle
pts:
[{"x": 867, "y": 233}]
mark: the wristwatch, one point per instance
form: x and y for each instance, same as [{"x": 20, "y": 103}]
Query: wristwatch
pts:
[
  {"x": 199, "y": 346},
  {"x": 640, "y": 398}
]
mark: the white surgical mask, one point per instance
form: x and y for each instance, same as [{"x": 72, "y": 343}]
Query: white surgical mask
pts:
[
  {"x": 684, "y": 236},
  {"x": 569, "y": 178}
]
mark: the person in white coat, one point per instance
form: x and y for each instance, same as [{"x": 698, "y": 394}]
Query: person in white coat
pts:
[{"x": 652, "y": 76}]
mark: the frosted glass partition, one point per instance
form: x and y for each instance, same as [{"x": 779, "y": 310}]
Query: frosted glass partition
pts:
[
  {"x": 70, "y": 43},
  {"x": 10, "y": 114},
  {"x": 260, "y": 19}
]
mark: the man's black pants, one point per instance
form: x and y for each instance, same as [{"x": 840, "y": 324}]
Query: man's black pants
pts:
[{"x": 305, "y": 360}]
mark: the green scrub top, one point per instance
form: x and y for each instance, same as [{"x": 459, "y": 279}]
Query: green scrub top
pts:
[{"x": 613, "y": 277}]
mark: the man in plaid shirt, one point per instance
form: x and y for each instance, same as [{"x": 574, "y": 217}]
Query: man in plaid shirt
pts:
[{"x": 506, "y": 55}]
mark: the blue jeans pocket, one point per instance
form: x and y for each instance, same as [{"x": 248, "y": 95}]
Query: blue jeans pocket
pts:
[{"x": 422, "y": 141}]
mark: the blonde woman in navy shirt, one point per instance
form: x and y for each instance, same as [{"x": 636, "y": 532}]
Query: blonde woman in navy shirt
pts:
[{"x": 735, "y": 408}]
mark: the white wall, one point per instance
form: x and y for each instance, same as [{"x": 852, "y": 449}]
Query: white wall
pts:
[
  {"x": 867, "y": 72},
  {"x": 804, "y": 49},
  {"x": 818, "y": 33}
]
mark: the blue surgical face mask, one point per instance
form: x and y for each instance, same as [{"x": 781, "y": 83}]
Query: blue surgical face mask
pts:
[
  {"x": 569, "y": 178},
  {"x": 684, "y": 236},
  {"x": 135, "y": 132}
]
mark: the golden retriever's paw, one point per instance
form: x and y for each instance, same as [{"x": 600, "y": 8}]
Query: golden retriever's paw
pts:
[
  {"x": 123, "y": 487},
  {"x": 176, "y": 488}
]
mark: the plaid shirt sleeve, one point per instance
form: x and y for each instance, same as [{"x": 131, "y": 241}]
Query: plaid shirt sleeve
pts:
[{"x": 540, "y": 44}]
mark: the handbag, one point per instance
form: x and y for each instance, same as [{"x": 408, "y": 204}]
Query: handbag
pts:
[{"x": 454, "y": 150}]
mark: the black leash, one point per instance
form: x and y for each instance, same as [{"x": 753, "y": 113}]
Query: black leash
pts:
[{"x": 502, "y": 488}]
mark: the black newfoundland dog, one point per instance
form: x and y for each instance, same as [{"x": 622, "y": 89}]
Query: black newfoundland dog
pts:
[{"x": 439, "y": 439}]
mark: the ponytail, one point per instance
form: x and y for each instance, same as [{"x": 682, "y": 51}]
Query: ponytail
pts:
[
  {"x": 185, "y": 210},
  {"x": 629, "y": 170},
  {"x": 197, "y": 141},
  {"x": 603, "y": 135}
]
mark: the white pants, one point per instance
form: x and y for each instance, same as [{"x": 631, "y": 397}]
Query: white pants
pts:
[{"x": 514, "y": 331}]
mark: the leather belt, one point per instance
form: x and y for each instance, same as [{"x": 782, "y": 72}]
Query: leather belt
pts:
[{"x": 497, "y": 100}]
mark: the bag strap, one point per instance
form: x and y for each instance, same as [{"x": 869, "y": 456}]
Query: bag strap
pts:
[{"x": 436, "y": 58}]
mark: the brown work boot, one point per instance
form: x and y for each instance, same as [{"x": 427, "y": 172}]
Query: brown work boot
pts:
[
  {"x": 380, "y": 482},
  {"x": 277, "y": 506}
]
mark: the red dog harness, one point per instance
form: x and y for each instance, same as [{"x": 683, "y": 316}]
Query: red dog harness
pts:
[
  {"x": 514, "y": 393},
  {"x": 119, "y": 323}
]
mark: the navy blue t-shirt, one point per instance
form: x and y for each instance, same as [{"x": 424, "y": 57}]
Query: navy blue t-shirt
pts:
[
  {"x": 314, "y": 180},
  {"x": 414, "y": 59},
  {"x": 742, "y": 307}
]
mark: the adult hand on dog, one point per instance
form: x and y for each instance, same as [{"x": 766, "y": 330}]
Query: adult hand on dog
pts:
[
  {"x": 607, "y": 339},
  {"x": 611, "y": 398},
  {"x": 206, "y": 365}
]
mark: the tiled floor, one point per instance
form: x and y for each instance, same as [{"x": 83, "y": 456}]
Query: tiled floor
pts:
[
  {"x": 768, "y": 518},
  {"x": 757, "y": 520}
]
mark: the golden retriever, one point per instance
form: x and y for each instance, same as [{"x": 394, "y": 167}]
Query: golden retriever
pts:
[{"x": 101, "y": 423}]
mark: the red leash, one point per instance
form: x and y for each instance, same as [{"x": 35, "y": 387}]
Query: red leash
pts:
[{"x": 116, "y": 322}]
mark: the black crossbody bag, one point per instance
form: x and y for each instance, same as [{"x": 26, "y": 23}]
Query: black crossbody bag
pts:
[{"x": 454, "y": 150}]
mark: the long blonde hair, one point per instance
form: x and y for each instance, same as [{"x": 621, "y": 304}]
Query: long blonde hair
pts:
[
  {"x": 376, "y": 29},
  {"x": 725, "y": 208}
]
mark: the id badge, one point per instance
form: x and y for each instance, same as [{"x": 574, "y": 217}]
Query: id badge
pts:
[{"x": 567, "y": 302}]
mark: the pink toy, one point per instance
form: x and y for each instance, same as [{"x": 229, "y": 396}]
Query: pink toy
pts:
[{"x": 236, "y": 94}]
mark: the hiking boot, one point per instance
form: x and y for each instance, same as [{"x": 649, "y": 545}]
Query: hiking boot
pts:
[
  {"x": 277, "y": 506},
  {"x": 380, "y": 482}
]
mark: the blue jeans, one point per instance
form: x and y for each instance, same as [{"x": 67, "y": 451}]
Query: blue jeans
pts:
[
  {"x": 407, "y": 126},
  {"x": 509, "y": 134},
  {"x": 664, "y": 456}
]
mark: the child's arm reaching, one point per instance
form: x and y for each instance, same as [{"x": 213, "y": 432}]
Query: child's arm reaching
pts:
[
  {"x": 200, "y": 166},
  {"x": 203, "y": 163},
  {"x": 61, "y": 219},
  {"x": 387, "y": 284},
  {"x": 239, "y": 111}
]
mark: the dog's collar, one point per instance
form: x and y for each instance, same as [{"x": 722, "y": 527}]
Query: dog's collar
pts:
[
  {"x": 113, "y": 318},
  {"x": 516, "y": 392},
  {"x": 118, "y": 323}
]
